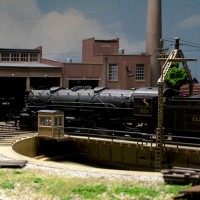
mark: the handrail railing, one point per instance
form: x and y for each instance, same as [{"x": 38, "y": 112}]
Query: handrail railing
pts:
[{"x": 133, "y": 136}]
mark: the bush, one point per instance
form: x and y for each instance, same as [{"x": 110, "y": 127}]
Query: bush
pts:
[{"x": 176, "y": 76}]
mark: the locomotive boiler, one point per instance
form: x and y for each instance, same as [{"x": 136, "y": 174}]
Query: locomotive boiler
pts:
[{"x": 134, "y": 109}]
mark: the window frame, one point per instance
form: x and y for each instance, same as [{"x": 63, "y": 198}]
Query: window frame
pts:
[
  {"x": 58, "y": 120},
  {"x": 140, "y": 72},
  {"x": 24, "y": 57},
  {"x": 5, "y": 57},
  {"x": 33, "y": 57},
  {"x": 113, "y": 72},
  {"x": 45, "y": 121},
  {"x": 15, "y": 57}
]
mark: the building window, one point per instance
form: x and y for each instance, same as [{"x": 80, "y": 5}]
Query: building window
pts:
[
  {"x": 58, "y": 121},
  {"x": 24, "y": 57},
  {"x": 14, "y": 57},
  {"x": 45, "y": 121},
  {"x": 113, "y": 72},
  {"x": 5, "y": 57},
  {"x": 33, "y": 57},
  {"x": 139, "y": 72}
]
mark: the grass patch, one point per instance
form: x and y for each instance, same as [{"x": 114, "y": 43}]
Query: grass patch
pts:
[
  {"x": 89, "y": 191},
  {"x": 137, "y": 191},
  {"x": 39, "y": 184},
  {"x": 7, "y": 185},
  {"x": 37, "y": 180}
]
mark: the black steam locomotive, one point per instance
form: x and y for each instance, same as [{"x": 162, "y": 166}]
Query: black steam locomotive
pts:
[
  {"x": 134, "y": 109},
  {"x": 99, "y": 107}
]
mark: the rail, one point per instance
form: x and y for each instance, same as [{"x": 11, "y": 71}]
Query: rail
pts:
[
  {"x": 180, "y": 141},
  {"x": 9, "y": 133},
  {"x": 133, "y": 136},
  {"x": 139, "y": 138}
]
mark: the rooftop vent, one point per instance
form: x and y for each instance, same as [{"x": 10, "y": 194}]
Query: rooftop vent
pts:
[
  {"x": 69, "y": 60},
  {"x": 121, "y": 51}
]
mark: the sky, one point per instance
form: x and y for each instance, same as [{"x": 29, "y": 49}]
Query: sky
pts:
[{"x": 59, "y": 26}]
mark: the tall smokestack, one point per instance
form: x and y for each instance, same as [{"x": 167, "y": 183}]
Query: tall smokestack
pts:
[{"x": 154, "y": 34}]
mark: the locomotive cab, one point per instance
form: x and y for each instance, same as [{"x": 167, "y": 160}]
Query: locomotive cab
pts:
[
  {"x": 145, "y": 110},
  {"x": 146, "y": 107}
]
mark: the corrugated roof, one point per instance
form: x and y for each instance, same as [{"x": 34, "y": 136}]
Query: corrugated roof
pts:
[
  {"x": 26, "y": 64},
  {"x": 49, "y": 111},
  {"x": 20, "y": 50}
]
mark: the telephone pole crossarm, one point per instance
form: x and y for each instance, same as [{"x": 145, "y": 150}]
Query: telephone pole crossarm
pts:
[{"x": 177, "y": 59}]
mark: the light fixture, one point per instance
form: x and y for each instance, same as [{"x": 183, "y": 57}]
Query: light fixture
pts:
[{"x": 129, "y": 71}]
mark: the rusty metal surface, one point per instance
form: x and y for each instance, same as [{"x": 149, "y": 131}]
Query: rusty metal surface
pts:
[
  {"x": 190, "y": 193},
  {"x": 178, "y": 175},
  {"x": 183, "y": 176},
  {"x": 12, "y": 163}
]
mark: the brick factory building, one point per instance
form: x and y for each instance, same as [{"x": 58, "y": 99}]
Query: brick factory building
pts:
[{"x": 104, "y": 64}]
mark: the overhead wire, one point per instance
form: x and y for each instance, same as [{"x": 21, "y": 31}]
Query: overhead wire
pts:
[
  {"x": 120, "y": 9},
  {"x": 190, "y": 42},
  {"x": 183, "y": 43}
]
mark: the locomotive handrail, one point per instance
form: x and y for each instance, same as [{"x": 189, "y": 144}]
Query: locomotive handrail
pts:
[
  {"x": 95, "y": 96},
  {"x": 85, "y": 104}
]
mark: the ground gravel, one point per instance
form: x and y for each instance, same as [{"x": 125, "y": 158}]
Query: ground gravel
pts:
[{"x": 148, "y": 177}]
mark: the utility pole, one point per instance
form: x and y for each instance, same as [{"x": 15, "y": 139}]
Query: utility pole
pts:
[{"x": 176, "y": 55}]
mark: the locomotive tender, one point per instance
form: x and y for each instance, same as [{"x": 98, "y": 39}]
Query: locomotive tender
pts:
[
  {"x": 134, "y": 109},
  {"x": 183, "y": 116}
]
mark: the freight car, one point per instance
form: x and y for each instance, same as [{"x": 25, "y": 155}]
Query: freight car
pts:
[
  {"x": 97, "y": 108},
  {"x": 8, "y": 108}
]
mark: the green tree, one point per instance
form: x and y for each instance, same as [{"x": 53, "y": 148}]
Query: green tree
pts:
[{"x": 176, "y": 76}]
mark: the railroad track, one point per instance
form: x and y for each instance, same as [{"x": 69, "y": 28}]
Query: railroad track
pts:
[{"x": 9, "y": 134}]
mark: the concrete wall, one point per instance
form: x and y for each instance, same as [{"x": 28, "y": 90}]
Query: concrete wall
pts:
[
  {"x": 28, "y": 147},
  {"x": 117, "y": 154},
  {"x": 133, "y": 156},
  {"x": 113, "y": 154}
]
